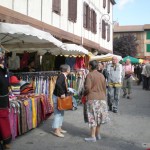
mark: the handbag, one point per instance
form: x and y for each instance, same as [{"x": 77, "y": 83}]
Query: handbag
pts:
[{"x": 64, "y": 103}]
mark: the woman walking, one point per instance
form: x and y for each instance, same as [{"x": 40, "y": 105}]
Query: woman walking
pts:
[{"x": 95, "y": 92}]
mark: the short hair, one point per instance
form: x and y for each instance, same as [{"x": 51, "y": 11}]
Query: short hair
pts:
[
  {"x": 102, "y": 63},
  {"x": 93, "y": 64},
  {"x": 64, "y": 68}
]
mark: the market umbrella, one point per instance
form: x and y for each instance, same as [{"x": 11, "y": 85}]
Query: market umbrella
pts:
[
  {"x": 132, "y": 59},
  {"x": 141, "y": 61}
]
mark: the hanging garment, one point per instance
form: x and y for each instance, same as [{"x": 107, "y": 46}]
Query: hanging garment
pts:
[
  {"x": 79, "y": 63},
  {"x": 59, "y": 60},
  {"x": 24, "y": 61},
  {"x": 14, "y": 62},
  {"x": 70, "y": 61},
  {"x": 48, "y": 61}
]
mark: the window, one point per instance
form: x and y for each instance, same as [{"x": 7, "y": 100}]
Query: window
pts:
[
  {"x": 93, "y": 21},
  {"x": 56, "y": 6},
  {"x": 108, "y": 32},
  {"x": 103, "y": 29},
  {"x": 148, "y": 48},
  {"x": 86, "y": 16},
  {"x": 148, "y": 35},
  {"x": 104, "y": 3},
  {"x": 72, "y": 10},
  {"x": 108, "y": 6}
]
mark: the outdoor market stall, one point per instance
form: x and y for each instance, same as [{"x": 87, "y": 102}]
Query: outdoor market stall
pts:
[{"x": 22, "y": 41}]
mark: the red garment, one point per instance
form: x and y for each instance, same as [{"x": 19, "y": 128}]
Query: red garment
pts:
[
  {"x": 79, "y": 63},
  {"x": 83, "y": 99},
  {"x": 24, "y": 60},
  {"x": 5, "y": 132}
]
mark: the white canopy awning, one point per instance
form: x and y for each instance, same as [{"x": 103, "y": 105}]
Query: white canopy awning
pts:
[
  {"x": 20, "y": 35},
  {"x": 25, "y": 37},
  {"x": 74, "y": 49}
]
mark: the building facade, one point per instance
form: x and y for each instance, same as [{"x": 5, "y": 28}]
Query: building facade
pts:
[
  {"x": 83, "y": 22},
  {"x": 142, "y": 33}
]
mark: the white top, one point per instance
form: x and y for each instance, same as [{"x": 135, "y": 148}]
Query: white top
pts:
[{"x": 14, "y": 62}]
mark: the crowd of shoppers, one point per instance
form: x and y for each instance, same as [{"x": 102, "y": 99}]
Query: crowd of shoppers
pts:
[
  {"x": 142, "y": 72},
  {"x": 102, "y": 89}
]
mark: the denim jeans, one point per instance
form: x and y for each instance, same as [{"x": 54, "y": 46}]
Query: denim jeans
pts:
[
  {"x": 113, "y": 96},
  {"x": 74, "y": 102},
  {"x": 58, "y": 115}
]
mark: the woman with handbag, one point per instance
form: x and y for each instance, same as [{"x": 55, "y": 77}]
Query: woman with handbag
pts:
[
  {"x": 60, "y": 91},
  {"x": 95, "y": 92}
]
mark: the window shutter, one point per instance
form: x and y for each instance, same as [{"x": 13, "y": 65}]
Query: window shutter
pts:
[
  {"x": 148, "y": 35},
  {"x": 108, "y": 7},
  {"x": 104, "y": 3},
  {"x": 88, "y": 18},
  {"x": 92, "y": 20},
  {"x": 72, "y": 10},
  {"x": 103, "y": 30},
  {"x": 56, "y": 6},
  {"x": 108, "y": 33},
  {"x": 84, "y": 14},
  {"x": 95, "y": 22}
]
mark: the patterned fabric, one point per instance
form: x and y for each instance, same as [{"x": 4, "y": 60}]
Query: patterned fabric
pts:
[{"x": 97, "y": 112}]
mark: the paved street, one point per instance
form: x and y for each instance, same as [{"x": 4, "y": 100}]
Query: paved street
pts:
[{"x": 127, "y": 130}]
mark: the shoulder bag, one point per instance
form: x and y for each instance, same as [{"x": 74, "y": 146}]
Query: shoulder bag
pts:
[{"x": 64, "y": 103}]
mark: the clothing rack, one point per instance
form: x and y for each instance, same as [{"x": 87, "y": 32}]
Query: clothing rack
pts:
[{"x": 37, "y": 74}]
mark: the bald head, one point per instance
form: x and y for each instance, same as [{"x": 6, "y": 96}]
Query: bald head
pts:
[{"x": 114, "y": 60}]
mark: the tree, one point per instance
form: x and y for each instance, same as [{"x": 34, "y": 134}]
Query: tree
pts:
[{"x": 125, "y": 45}]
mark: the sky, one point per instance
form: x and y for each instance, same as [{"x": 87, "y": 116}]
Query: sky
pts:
[{"x": 132, "y": 12}]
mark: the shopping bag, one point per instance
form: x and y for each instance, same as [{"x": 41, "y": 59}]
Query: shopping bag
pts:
[{"x": 64, "y": 103}]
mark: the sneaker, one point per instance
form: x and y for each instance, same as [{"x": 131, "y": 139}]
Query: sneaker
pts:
[
  {"x": 128, "y": 97},
  {"x": 91, "y": 139},
  {"x": 98, "y": 137},
  {"x": 74, "y": 108},
  {"x": 115, "y": 111},
  {"x": 124, "y": 95}
]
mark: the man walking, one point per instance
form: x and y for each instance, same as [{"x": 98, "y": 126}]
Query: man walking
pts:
[
  {"x": 114, "y": 84},
  {"x": 127, "y": 80}
]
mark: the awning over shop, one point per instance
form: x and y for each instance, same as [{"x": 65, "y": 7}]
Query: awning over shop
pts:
[
  {"x": 107, "y": 57},
  {"x": 74, "y": 49},
  {"x": 25, "y": 36},
  {"x": 20, "y": 37}
]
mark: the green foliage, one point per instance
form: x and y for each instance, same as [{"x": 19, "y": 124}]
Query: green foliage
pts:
[{"x": 125, "y": 45}]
